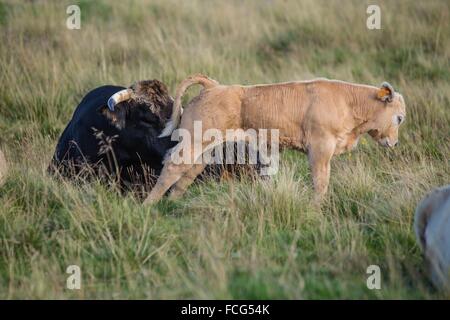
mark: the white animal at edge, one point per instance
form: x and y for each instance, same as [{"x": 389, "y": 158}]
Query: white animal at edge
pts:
[{"x": 432, "y": 227}]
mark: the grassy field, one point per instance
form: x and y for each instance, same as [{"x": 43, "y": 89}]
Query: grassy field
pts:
[{"x": 236, "y": 239}]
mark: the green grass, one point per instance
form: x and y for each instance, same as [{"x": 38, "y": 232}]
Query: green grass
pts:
[{"x": 235, "y": 239}]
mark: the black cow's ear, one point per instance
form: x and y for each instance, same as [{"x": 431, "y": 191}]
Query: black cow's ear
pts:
[{"x": 116, "y": 117}]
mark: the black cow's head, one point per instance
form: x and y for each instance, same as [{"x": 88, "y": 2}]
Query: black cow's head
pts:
[
  {"x": 140, "y": 113},
  {"x": 144, "y": 103}
]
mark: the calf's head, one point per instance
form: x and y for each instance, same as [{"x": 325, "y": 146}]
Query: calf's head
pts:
[{"x": 388, "y": 117}]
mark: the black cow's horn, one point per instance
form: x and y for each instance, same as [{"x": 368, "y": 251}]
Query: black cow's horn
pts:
[{"x": 118, "y": 97}]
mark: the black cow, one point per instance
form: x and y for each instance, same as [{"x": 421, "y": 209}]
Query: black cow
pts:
[{"x": 122, "y": 142}]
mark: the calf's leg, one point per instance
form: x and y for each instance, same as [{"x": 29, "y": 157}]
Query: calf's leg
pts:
[
  {"x": 170, "y": 174},
  {"x": 319, "y": 156},
  {"x": 184, "y": 182}
]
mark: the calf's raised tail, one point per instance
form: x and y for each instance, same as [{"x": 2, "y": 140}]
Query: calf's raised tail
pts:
[{"x": 174, "y": 121}]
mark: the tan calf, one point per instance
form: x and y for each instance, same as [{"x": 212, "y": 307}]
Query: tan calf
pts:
[{"x": 320, "y": 117}]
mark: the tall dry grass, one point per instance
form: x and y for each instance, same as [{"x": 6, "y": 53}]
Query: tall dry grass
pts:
[{"x": 240, "y": 239}]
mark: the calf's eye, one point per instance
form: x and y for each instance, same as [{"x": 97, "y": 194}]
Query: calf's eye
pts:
[{"x": 398, "y": 119}]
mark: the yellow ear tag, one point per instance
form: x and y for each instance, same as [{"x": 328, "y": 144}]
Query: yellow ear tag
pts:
[{"x": 382, "y": 92}]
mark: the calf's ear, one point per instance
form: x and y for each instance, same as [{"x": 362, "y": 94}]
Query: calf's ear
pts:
[{"x": 386, "y": 92}]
